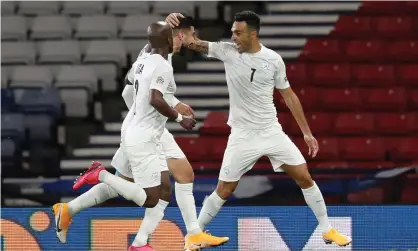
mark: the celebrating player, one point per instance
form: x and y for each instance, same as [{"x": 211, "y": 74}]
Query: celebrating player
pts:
[
  {"x": 178, "y": 165},
  {"x": 252, "y": 72}
]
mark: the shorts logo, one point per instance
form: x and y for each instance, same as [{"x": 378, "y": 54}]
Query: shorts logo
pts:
[{"x": 160, "y": 80}]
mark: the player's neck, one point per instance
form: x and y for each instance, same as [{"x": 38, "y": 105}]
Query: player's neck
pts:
[
  {"x": 162, "y": 51},
  {"x": 256, "y": 47}
]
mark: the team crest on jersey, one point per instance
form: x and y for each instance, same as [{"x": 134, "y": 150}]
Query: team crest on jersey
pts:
[
  {"x": 266, "y": 66},
  {"x": 160, "y": 80}
]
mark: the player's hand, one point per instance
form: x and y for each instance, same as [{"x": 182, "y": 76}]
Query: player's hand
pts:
[
  {"x": 312, "y": 144},
  {"x": 188, "y": 123},
  {"x": 173, "y": 20},
  {"x": 184, "y": 109}
]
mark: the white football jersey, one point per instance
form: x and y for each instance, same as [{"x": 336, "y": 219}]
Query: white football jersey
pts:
[
  {"x": 144, "y": 122},
  {"x": 251, "y": 79}
]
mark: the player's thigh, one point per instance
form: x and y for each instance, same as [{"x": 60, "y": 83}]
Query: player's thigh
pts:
[
  {"x": 121, "y": 164},
  {"x": 147, "y": 162},
  {"x": 178, "y": 165},
  {"x": 239, "y": 157},
  {"x": 281, "y": 150}
]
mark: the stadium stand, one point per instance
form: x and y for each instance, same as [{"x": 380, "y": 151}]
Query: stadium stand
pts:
[{"x": 353, "y": 65}]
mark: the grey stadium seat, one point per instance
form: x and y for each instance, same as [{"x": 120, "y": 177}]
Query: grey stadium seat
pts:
[
  {"x": 105, "y": 51},
  {"x": 83, "y": 7},
  {"x": 8, "y": 8},
  {"x": 39, "y": 7},
  {"x": 12, "y": 125},
  {"x": 36, "y": 101},
  {"x": 4, "y": 78},
  {"x": 135, "y": 26},
  {"x": 128, "y": 7},
  {"x": 13, "y": 28},
  {"x": 31, "y": 77},
  {"x": 51, "y": 27},
  {"x": 167, "y": 7},
  {"x": 67, "y": 51},
  {"x": 134, "y": 46},
  {"x": 108, "y": 74},
  {"x": 96, "y": 27},
  {"x": 76, "y": 102},
  {"x": 18, "y": 53},
  {"x": 77, "y": 76},
  {"x": 39, "y": 126}
]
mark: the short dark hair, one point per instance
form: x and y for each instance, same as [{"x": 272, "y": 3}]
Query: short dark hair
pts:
[
  {"x": 185, "y": 22},
  {"x": 251, "y": 18}
]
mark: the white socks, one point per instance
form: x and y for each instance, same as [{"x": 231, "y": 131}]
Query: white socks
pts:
[
  {"x": 96, "y": 195},
  {"x": 186, "y": 203},
  {"x": 210, "y": 209},
  {"x": 152, "y": 218},
  {"x": 127, "y": 189},
  {"x": 315, "y": 201}
]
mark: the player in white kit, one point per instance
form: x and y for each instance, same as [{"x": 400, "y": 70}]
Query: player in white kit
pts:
[
  {"x": 177, "y": 165},
  {"x": 144, "y": 125},
  {"x": 252, "y": 73}
]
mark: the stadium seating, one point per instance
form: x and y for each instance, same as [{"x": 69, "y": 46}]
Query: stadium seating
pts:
[
  {"x": 67, "y": 51},
  {"x": 331, "y": 74},
  {"x": 83, "y": 7},
  {"x": 17, "y": 53},
  {"x": 13, "y": 28},
  {"x": 373, "y": 74},
  {"x": 51, "y": 27}
]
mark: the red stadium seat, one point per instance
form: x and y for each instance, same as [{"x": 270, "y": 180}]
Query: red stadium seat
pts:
[
  {"x": 385, "y": 99},
  {"x": 402, "y": 51},
  {"x": 331, "y": 74},
  {"x": 321, "y": 49},
  {"x": 408, "y": 74},
  {"x": 215, "y": 124},
  {"x": 308, "y": 97},
  {"x": 373, "y": 75},
  {"x": 406, "y": 150},
  {"x": 296, "y": 73},
  {"x": 285, "y": 119},
  {"x": 352, "y": 27},
  {"x": 347, "y": 99},
  {"x": 382, "y": 7},
  {"x": 412, "y": 7},
  {"x": 320, "y": 124},
  {"x": 354, "y": 124},
  {"x": 300, "y": 143},
  {"x": 393, "y": 27},
  {"x": 362, "y": 149},
  {"x": 413, "y": 98},
  {"x": 328, "y": 149},
  {"x": 364, "y": 50},
  {"x": 194, "y": 148},
  {"x": 396, "y": 124},
  {"x": 217, "y": 147}
]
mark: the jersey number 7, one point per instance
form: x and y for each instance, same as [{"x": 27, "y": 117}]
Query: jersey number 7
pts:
[{"x": 252, "y": 74}]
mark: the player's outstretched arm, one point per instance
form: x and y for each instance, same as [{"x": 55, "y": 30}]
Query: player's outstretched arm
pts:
[{"x": 292, "y": 101}]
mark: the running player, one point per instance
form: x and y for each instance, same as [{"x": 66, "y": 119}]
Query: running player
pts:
[
  {"x": 252, "y": 72},
  {"x": 177, "y": 164}
]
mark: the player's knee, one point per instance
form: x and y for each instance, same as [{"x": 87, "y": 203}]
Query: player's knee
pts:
[
  {"x": 304, "y": 180},
  {"x": 151, "y": 201},
  {"x": 225, "y": 189},
  {"x": 111, "y": 193}
]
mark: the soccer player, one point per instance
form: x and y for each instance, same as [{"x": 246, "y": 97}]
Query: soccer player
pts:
[
  {"x": 178, "y": 165},
  {"x": 252, "y": 73}
]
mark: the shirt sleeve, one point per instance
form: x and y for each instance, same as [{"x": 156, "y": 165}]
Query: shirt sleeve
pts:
[
  {"x": 221, "y": 50},
  {"x": 128, "y": 95},
  {"x": 174, "y": 102},
  {"x": 161, "y": 79},
  {"x": 281, "y": 81}
]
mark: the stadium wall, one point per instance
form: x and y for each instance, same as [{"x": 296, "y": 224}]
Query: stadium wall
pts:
[{"x": 376, "y": 228}]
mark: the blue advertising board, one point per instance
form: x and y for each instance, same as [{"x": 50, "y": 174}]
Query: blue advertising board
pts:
[{"x": 377, "y": 228}]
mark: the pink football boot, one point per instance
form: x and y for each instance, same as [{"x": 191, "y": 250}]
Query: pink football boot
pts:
[{"x": 91, "y": 176}]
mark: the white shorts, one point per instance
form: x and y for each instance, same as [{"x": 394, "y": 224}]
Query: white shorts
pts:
[
  {"x": 170, "y": 150},
  {"x": 245, "y": 147},
  {"x": 146, "y": 162}
]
